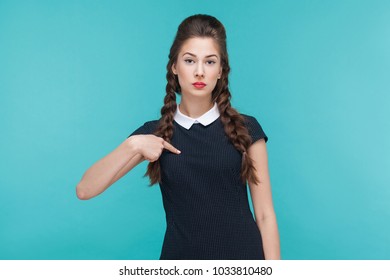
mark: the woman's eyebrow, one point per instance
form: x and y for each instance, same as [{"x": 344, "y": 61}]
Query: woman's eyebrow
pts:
[{"x": 195, "y": 55}]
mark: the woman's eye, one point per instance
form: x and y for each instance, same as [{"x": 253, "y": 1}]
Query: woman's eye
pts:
[
  {"x": 188, "y": 60},
  {"x": 211, "y": 62}
]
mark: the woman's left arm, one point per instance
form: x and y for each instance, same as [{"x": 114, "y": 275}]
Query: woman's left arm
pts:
[{"x": 262, "y": 201}]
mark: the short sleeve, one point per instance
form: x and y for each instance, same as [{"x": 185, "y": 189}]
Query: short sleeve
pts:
[
  {"x": 147, "y": 128},
  {"x": 255, "y": 130}
]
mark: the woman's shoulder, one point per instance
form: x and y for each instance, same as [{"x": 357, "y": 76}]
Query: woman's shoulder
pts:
[
  {"x": 152, "y": 123},
  {"x": 254, "y": 127},
  {"x": 250, "y": 119},
  {"x": 147, "y": 128}
]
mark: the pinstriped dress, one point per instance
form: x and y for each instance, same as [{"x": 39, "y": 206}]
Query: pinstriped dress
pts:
[{"x": 206, "y": 204}]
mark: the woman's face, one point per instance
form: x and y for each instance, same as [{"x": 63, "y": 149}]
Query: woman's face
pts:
[{"x": 198, "y": 61}]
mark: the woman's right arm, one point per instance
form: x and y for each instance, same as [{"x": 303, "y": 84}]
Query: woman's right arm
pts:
[{"x": 116, "y": 164}]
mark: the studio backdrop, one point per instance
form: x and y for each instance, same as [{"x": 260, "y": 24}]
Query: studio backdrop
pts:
[{"x": 77, "y": 77}]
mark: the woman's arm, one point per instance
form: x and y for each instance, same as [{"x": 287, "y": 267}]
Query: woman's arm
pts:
[
  {"x": 262, "y": 202},
  {"x": 116, "y": 164}
]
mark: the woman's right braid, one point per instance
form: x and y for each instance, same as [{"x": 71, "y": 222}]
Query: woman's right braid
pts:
[{"x": 165, "y": 126}]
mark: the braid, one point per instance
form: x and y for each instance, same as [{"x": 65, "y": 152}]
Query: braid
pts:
[
  {"x": 165, "y": 126},
  {"x": 235, "y": 129}
]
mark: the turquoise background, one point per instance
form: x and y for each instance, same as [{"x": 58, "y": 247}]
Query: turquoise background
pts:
[{"x": 77, "y": 77}]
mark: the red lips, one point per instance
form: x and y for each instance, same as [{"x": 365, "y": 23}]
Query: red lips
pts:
[{"x": 199, "y": 85}]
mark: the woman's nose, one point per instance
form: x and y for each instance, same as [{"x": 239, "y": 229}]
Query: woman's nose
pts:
[{"x": 199, "y": 71}]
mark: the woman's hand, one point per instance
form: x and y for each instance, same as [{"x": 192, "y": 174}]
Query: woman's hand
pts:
[{"x": 151, "y": 146}]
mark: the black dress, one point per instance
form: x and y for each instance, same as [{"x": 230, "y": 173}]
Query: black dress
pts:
[{"x": 205, "y": 202}]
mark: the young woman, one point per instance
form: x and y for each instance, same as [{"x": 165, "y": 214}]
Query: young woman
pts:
[{"x": 202, "y": 152}]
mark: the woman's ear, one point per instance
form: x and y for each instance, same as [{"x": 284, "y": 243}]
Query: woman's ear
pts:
[{"x": 174, "y": 69}]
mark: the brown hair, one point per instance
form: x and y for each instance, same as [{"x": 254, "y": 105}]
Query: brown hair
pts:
[{"x": 204, "y": 26}]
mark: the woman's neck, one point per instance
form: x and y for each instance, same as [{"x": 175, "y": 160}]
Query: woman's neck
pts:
[{"x": 195, "y": 108}]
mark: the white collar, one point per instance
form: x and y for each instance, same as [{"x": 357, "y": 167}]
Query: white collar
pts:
[{"x": 205, "y": 119}]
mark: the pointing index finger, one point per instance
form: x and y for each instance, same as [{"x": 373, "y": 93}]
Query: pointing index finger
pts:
[{"x": 169, "y": 147}]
